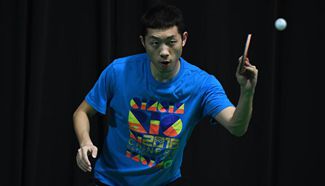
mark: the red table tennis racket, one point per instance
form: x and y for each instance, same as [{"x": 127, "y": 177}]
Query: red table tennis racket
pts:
[{"x": 242, "y": 62}]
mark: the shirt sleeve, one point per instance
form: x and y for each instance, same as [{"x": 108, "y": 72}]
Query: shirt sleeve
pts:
[
  {"x": 214, "y": 97},
  {"x": 101, "y": 93}
]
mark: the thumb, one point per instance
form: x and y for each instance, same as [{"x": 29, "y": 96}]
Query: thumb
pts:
[
  {"x": 94, "y": 152},
  {"x": 240, "y": 65}
]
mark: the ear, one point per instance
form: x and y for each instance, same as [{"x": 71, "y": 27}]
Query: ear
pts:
[
  {"x": 142, "y": 41},
  {"x": 184, "y": 38}
]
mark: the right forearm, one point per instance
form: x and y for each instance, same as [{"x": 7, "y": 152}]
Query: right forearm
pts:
[{"x": 82, "y": 128}]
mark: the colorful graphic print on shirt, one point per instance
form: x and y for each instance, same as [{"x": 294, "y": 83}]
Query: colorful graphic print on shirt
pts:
[{"x": 154, "y": 130}]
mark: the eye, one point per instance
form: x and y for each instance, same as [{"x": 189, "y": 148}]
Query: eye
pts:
[
  {"x": 172, "y": 42},
  {"x": 154, "y": 43}
]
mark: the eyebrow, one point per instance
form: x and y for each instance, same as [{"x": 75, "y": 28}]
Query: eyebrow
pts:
[{"x": 158, "y": 38}]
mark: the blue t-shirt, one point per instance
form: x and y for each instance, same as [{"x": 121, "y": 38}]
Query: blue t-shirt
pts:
[{"x": 150, "y": 121}]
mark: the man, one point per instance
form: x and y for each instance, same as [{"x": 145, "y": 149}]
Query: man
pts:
[{"x": 156, "y": 99}]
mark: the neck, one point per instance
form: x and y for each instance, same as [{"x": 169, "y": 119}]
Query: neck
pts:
[{"x": 164, "y": 76}]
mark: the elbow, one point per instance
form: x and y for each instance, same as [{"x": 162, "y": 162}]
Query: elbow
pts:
[
  {"x": 238, "y": 131},
  {"x": 76, "y": 114},
  {"x": 80, "y": 114}
]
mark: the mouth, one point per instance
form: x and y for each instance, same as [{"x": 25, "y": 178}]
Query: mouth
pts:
[{"x": 164, "y": 62}]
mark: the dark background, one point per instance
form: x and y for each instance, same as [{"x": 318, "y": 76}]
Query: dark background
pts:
[{"x": 52, "y": 52}]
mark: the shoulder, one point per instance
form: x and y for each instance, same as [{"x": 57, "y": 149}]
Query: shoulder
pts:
[
  {"x": 200, "y": 76},
  {"x": 194, "y": 71},
  {"x": 127, "y": 62}
]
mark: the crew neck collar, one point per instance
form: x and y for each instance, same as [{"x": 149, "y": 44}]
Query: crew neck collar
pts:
[{"x": 175, "y": 78}]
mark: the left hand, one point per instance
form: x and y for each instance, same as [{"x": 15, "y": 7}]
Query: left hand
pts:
[{"x": 248, "y": 79}]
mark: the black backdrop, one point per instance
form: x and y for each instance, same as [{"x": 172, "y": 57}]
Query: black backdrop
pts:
[{"x": 52, "y": 51}]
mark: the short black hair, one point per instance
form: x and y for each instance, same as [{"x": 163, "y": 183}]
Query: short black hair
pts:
[{"x": 162, "y": 16}]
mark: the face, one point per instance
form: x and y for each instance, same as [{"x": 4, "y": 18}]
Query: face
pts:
[{"x": 164, "y": 48}]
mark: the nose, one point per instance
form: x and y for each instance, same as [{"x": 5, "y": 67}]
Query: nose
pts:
[{"x": 164, "y": 52}]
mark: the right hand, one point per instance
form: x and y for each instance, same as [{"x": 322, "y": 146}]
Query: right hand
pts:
[{"x": 82, "y": 157}]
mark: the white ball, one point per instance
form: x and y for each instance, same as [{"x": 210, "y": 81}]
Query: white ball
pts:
[{"x": 280, "y": 24}]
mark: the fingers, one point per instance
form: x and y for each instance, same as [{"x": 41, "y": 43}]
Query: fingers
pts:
[
  {"x": 251, "y": 67},
  {"x": 94, "y": 152},
  {"x": 81, "y": 164},
  {"x": 246, "y": 62},
  {"x": 82, "y": 157},
  {"x": 246, "y": 69},
  {"x": 242, "y": 65},
  {"x": 251, "y": 72},
  {"x": 82, "y": 160},
  {"x": 84, "y": 153}
]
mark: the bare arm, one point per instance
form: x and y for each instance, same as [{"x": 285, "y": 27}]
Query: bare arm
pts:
[
  {"x": 236, "y": 119},
  {"x": 82, "y": 128},
  {"x": 81, "y": 123}
]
